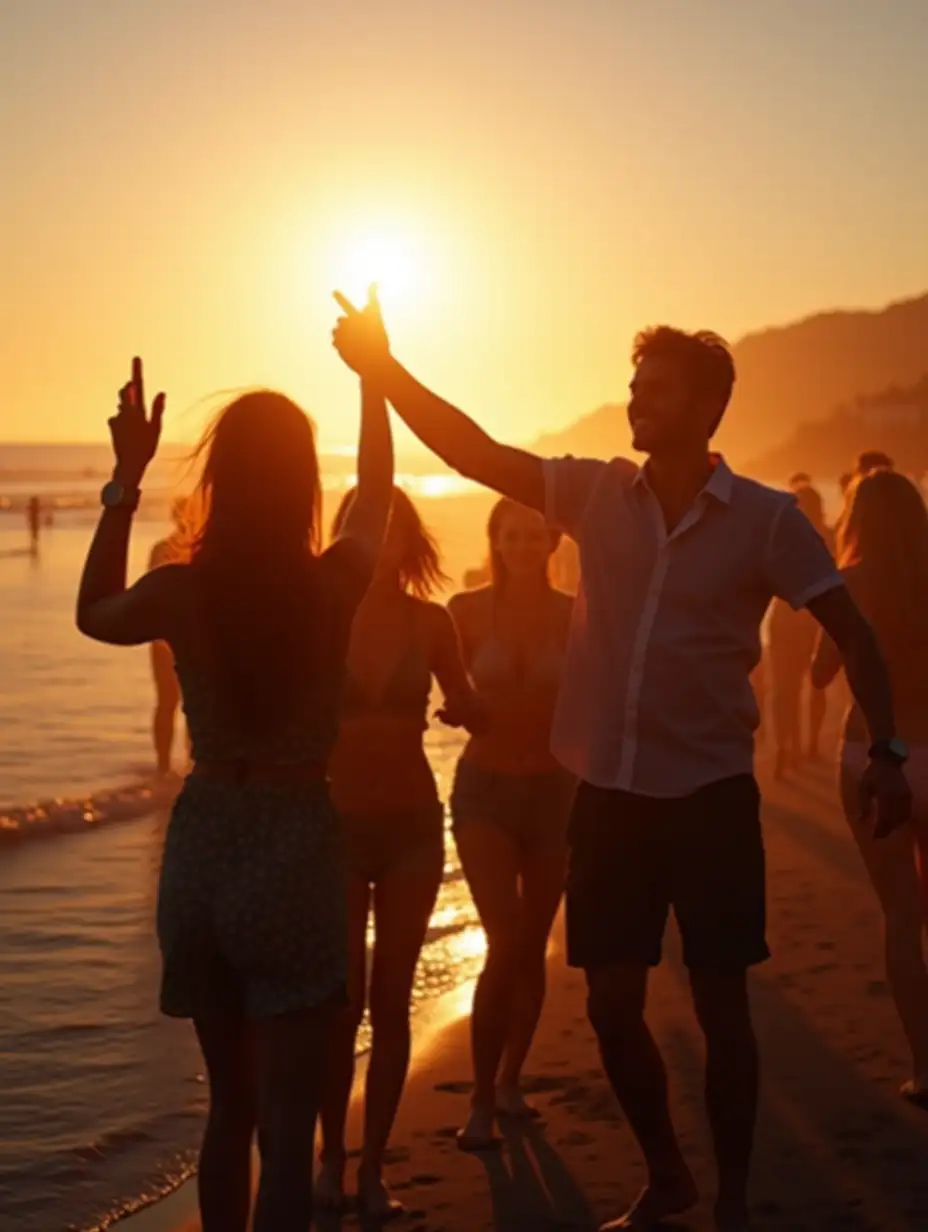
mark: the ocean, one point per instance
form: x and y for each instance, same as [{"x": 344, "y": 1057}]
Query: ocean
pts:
[{"x": 103, "y": 1099}]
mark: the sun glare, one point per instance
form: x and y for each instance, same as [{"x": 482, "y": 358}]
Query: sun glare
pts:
[{"x": 386, "y": 257}]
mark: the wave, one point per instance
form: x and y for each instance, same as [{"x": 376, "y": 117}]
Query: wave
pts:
[{"x": 47, "y": 818}]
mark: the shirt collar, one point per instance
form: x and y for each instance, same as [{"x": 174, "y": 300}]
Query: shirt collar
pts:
[{"x": 719, "y": 485}]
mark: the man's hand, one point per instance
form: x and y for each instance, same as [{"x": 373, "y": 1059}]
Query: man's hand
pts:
[
  {"x": 884, "y": 784},
  {"x": 359, "y": 336}
]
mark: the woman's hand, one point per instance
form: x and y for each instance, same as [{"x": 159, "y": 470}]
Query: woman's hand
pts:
[{"x": 135, "y": 434}]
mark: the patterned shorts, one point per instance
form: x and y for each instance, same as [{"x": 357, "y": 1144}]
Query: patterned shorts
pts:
[{"x": 252, "y": 901}]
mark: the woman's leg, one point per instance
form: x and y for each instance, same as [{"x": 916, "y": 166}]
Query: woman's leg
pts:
[
  {"x": 818, "y": 703},
  {"x": 292, "y": 1053},
  {"x": 542, "y": 885},
  {"x": 167, "y": 700},
  {"x": 403, "y": 905},
  {"x": 224, "y": 1176},
  {"x": 490, "y": 859},
  {"x": 892, "y": 863},
  {"x": 340, "y": 1070}
]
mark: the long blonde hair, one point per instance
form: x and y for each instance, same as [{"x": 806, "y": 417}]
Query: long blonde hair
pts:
[{"x": 883, "y": 533}]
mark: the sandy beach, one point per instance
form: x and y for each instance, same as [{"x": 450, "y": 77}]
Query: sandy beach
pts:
[{"x": 836, "y": 1149}]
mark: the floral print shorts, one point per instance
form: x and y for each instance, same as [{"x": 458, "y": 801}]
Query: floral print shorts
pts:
[{"x": 252, "y": 901}]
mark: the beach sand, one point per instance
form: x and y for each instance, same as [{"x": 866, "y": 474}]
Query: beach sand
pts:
[{"x": 836, "y": 1148}]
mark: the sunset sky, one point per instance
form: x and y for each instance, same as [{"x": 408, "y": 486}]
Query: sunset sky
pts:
[{"x": 533, "y": 179}]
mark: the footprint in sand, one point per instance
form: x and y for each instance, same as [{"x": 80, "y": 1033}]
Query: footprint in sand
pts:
[{"x": 459, "y": 1087}]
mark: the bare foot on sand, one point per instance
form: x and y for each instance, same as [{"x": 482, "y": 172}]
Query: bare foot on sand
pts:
[
  {"x": 374, "y": 1201},
  {"x": 659, "y": 1201},
  {"x": 477, "y": 1134},
  {"x": 329, "y": 1186},
  {"x": 510, "y": 1102}
]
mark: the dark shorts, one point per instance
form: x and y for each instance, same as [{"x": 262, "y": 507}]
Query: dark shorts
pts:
[
  {"x": 252, "y": 901},
  {"x": 633, "y": 858},
  {"x": 409, "y": 841},
  {"x": 533, "y": 809}
]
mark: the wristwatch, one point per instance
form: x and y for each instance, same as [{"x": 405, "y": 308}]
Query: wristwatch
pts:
[
  {"x": 116, "y": 495},
  {"x": 895, "y": 751}
]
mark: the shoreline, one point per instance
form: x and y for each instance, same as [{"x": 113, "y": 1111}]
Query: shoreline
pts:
[{"x": 836, "y": 1146}]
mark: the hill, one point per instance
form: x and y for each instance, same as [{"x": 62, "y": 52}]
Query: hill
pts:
[
  {"x": 894, "y": 420},
  {"x": 788, "y": 376}
]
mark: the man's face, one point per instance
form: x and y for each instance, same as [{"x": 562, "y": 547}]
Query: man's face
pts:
[{"x": 662, "y": 411}]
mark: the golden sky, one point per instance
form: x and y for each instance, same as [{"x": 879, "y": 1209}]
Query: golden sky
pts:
[{"x": 189, "y": 180}]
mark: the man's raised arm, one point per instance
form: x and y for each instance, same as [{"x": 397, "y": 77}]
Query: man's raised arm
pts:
[{"x": 445, "y": 430}]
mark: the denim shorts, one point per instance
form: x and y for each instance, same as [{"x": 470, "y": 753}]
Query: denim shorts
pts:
[
  {"x": 252, "y": 904},
  {"x": 533, "y": 809}
]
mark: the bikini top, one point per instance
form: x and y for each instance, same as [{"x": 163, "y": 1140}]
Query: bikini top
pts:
[
  {"x": 494, "y": 667},
  {"x": 407, "y": 689}
]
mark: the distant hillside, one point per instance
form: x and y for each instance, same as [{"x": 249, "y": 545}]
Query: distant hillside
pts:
[
  {"x": 894, "y": 420},
  {"x": 788, "y": 376}
]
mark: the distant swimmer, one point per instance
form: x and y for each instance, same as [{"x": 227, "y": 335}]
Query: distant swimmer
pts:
[
  {"x": 170, "y": 551},
  {"x": 34, "y": 520}
]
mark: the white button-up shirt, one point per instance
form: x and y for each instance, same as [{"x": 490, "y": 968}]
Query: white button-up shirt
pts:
[{"x": 656, "y": 697}]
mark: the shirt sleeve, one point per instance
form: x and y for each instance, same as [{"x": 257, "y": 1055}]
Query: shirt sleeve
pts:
[
  {"x": 799, "y": 564},
  {"x": 569, "y": 484}
]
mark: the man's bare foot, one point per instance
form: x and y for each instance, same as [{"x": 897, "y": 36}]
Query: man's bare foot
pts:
[
  {"x": 659, "y": 1201},
  {"x": 329, "y": 1185},
  {"x": 478, "y": 1134},
  {"x": 374, "y": 1200},
  {"x": 511, "y": 1102}
]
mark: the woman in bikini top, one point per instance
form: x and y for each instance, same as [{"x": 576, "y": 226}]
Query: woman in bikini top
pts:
[
  {"x": 393, "y": 825},
  {"x": 511, "y": 801}
]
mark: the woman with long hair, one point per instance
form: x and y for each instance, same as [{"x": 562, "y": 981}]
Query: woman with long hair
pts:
[
  {"x": 883, "y": 553},
  {"x": 393, "y": 823},
  {"x": 511, "y": 802},
  {"x": 251, "y": 905},
  {"x": 791, "y": 645}
]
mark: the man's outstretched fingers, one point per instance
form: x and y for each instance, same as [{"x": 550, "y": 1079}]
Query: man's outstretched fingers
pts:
[{"x": 345, "y": 304}]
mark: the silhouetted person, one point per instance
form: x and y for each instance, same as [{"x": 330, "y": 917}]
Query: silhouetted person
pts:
[
  {"x": 679, "y": 561},
  {"x": 393, "y": 823},
  {"x": 34, "y": 522},
  {"x": 792, "y": 635},
  {"x": 873, "y": 460},
  {"x": 883, "y": 553},
  {"x": 511, "y": 801},
  {"x": 251, "y": 905},
  {"x": 173, "y": 550},
  {"x": 801, "y": 479},
  {"x": 844, "y": 481}
]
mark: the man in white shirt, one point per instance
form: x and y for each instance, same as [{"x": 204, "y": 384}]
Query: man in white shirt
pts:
[{"x": 679, "y": 560}]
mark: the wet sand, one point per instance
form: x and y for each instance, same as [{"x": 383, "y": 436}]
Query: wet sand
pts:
[{"x": 837, "y": 1148}]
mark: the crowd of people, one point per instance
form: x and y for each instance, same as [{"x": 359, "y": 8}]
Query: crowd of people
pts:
[{"x": 610, "y": 756}]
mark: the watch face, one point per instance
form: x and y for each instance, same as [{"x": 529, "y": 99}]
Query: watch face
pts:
[{"x": 113, "y": 494}]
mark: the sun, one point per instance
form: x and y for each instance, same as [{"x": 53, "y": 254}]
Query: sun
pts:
[{"x": 388, "y": 256}]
